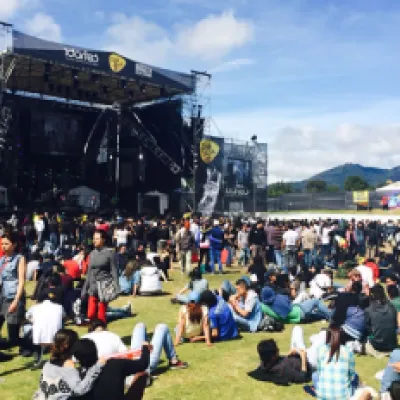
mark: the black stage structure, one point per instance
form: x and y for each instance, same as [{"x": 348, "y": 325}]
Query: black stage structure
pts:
[{"x": 73, "y": 117}]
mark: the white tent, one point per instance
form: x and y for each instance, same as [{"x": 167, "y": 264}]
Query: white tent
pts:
[
  {"x": 163, "y": 200},
  {"x": 392, "y": 187},
  {"x": 87, "y": 198}
]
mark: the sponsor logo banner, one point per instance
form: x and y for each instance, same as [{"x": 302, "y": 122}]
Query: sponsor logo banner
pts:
[
  {"x": 82, "y": 56},
  {"x": 117, "y": 63},
  {"x": 143, "y": 70},
  {"x": 208, "y": 150}
]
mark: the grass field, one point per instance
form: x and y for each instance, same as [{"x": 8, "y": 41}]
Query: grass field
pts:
[{"x": 219, "y": 372}]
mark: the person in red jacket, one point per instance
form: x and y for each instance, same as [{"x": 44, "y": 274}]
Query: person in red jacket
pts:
[{"x": 370, "y": 263}]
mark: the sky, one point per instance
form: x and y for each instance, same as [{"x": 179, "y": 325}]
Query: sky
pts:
[{"x": 318, "y": 80}]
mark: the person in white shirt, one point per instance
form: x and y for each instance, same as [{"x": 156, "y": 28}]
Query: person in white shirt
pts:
[
  {"x": 33, "y": 267},
  {"x": 121, "y": 235},
  {"x": 39, "y": 227},
  {"x": 107, "y": 343},
  {"x": 150, "y": 283},
  {"x": 46, "y": 319},
  {"x": 367, "y": 275},
  {"x": 320, "y": 284},
  {"x": 290, "y": 242}
]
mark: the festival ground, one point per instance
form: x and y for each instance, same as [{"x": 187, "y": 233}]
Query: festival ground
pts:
[{"x": 219, "y": 371}]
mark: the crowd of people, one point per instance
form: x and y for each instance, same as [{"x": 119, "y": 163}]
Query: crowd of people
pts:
[{"x": 289, "y": 269}]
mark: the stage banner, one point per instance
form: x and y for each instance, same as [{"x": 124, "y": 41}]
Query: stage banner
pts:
[
  {"x": 361, "y": 197},
  {"x": 98, "y": 60},
  {"x": 209, "y": 176},
  {"x": 238, "y": 180}
]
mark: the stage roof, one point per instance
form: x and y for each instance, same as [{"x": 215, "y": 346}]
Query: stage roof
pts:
[{"x": 76, "y": 73}]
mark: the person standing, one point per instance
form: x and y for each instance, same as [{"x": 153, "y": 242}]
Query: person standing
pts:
[
  {"x": 243, "y": 245},
  {"x": 289, "y": 245},
  {"x": 258, "y": 241},
  {"x": 216, "y": 244},
  {"x": 308, "y": 242},
  {"x": 12, "y": 294},
  {"x": 102, "y": 268},
  {"x": 185, "y": 242}
]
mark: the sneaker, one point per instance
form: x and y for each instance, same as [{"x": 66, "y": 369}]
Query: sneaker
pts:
[
  {"x": 128, "y": 308},
  {"x": 179, "y": 365}
]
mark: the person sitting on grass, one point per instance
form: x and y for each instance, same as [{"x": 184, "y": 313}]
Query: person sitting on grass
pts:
[
  {"x": 115, "y": 370},
  {"x": 196, "y": 284},
  {"x": 381, "y": 324},
  {"x": 246, "y": 307},
  {"x": 281, "y": 370},
  {"x": 335, "y": 377},
  {"x": 394, "y": 296},
  {"x": 129, "y": 278},
  {"x": 221, "y": 322},
  {"x": 60, "y": 380},
  {"x": 193, "y": 322},
  {"x": 109, "y": 344}
]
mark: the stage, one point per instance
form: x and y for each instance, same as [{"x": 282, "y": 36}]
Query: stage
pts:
[{"x": 72, "y": 117}]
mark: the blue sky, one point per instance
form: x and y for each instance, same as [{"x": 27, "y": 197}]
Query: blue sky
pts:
[{"x": 318, "y": 80}]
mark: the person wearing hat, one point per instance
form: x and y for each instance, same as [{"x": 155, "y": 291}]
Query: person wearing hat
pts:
[{"x": 193, "y": 322}]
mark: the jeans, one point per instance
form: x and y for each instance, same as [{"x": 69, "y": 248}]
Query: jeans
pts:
[
  {"x": 63, "y": 238},
  {"x": 308, "y": 257},
  {"x": 53, "y": 240},
  {"x": 186, "y": 260},
  {"x": 215, "y": 256},
  {"x": 278, "y": 258},
  {"x": 361, "y": 249},
  {"x": 289, "y": 258},
  {"x": 227, "y": 287},
  {"x": 116, "y": 313},
  {"x": 389, "y": 374},
  {"x": 325, "y": 250},
  {"x": 244, "y": 256},
  {"x": 230, "y": 255},
  {"x": 315, "y": 309},
  {"x": 161, "y": 340}
]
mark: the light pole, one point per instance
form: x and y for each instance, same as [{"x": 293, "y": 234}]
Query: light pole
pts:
[{"x": 254, "y": 140}]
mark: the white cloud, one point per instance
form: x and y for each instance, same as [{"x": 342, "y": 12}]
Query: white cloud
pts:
[
  {"x": 210, "y": 38},
  {"x": 232, "y": 65},
  {"x": 138, "y": 39},
  {"x": 215, "y": 36},
  {"x": 44, "y": 26},
  {"x": 306, "y": 141},
  {"x": 8, "y": 8}
]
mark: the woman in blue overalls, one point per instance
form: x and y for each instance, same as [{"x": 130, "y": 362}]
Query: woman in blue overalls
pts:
[{"x": 12, "y": 287}]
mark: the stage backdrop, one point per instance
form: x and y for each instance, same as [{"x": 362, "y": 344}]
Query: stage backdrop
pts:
[{"x": 231, "y": 177}]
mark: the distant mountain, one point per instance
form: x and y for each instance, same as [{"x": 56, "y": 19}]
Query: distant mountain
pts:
[{"x": 338, "y": 175}]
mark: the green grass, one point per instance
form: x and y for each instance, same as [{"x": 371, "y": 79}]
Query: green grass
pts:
[{"x": 216, "y": 372}]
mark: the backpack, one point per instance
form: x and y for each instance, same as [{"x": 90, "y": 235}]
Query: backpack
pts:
[{"x": 270, "y": 324}]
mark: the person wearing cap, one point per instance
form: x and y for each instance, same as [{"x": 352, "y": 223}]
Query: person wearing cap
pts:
[
  {"x": 193, "y": 322},
  {"x": 246, "y": 307}
]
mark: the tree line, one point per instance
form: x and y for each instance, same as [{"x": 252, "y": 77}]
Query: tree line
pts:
[{"x": 352, "y": 183}]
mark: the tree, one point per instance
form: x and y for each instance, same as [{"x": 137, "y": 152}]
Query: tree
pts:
[
  {"x": 333, "y": 188},
  {"x": 355, "y": 183},
  {"x": 279, "y": 188},
  {"x": 316, "y": 186}
]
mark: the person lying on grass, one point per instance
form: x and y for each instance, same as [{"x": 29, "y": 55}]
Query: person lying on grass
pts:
[
  {"x": 274, "y": 368},
  {"x": 222, "y": 325},
  {"x": 193, "y": 322}
]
